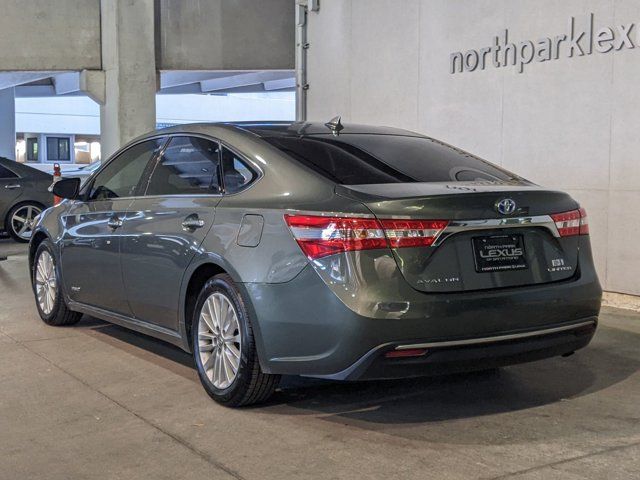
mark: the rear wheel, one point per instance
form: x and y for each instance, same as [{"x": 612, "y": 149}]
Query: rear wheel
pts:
[
  {"x": 51, "y": 305},
  {"x": 224, "y": 348},
  {"x": 20, "y": 220}
]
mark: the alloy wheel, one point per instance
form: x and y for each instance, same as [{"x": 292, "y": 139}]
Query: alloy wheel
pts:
[
  {"x": 219, "y": 340},
  {"x": 46, "y": 283},
  {"x": 23, "y": 219}
]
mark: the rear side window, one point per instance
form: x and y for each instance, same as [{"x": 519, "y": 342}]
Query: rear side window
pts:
[
  {"x": 121, "y": 176},
  {"x": 189, "y": 166},
  {"x": 6, "y": 173},
  {"x": 237, "y": 174},
  {"x": 356, "y": 159}
]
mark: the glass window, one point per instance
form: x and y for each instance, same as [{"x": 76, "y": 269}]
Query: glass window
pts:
[
  {"x": 32, "y": 149},
  {"x": 58, "y": 149},
  {"x": 189, "y": 166},
  {"x": 353, "y": 159},
  {"x": 237, "y": 174},
  {"x": 122, "y": 175},
  {"x": 6, "y": 173}
]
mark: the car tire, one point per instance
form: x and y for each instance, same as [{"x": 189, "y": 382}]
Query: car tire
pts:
[
  {"x": 10, "y": 225},
  {"x": 50, "y": 301},
  {"x": 222, "y": 344}
]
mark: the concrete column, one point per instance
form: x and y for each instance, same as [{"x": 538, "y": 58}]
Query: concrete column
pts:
[
  {"x": 128, "y": 60},
  {"x": 7, "y": 123}
]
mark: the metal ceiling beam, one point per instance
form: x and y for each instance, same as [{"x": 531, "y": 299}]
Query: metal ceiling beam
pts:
[
  {"x": 179, "y": 78},
  {"x": 284, "y": 83},
  {"x": 14, "y": 79},
  {"x": 66, "y": 83},
  {"x": 243, "y": 80}
]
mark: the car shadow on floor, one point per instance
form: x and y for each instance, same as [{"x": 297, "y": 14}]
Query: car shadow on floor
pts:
[{"x": 611, "y": 358}]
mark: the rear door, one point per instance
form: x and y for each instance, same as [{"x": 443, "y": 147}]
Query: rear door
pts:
[
  {"x": 166, "y": 225},
  {"x": 92, "y": 234}
]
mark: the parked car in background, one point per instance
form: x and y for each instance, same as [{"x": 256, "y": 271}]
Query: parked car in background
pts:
[
  {"x": 23, "y": 196},
  {"x": 82, "y": 172},
  {"x": 319, "y": 250}
]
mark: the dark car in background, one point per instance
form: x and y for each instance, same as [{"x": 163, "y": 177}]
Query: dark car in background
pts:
[
  {"x": 23, "y": 196},
  {"x": 320, "y": 250}
]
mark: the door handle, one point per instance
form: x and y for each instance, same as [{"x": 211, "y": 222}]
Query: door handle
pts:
[
  {"x": 192, "y": 222},
  {"x": 114, "y": 222},
  {"x": 12, "y": 187}
]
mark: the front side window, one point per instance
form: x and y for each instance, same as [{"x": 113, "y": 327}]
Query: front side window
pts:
[
  {"x": 58, "y": 149},
  {"x": 120, "y": 178},
  {"x": 237, "y": 174},
  {"x": 6, "y": 173},
  {"x": 188, "y": 166}
]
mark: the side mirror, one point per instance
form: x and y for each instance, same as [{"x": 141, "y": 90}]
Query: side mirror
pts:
[{"x": 66, "y": 188}]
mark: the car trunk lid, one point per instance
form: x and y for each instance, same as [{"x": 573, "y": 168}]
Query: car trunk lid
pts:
[{"x": 480, "y": 248}]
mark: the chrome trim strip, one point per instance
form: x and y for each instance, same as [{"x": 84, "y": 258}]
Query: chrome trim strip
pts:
[
  {"x": 456, "y": 226},
  {"x": 498, "y": 338}
]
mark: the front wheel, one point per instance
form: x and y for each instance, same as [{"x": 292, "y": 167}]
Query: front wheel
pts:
[
  {"x": 224, "y": 347},
  {"x": 50, "y": 301}
]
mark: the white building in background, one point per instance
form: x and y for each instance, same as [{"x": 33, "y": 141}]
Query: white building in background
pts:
[{"x": 66, "y": 130}]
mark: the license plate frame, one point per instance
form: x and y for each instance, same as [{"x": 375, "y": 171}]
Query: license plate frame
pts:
[{"x": 499, "y": 253}]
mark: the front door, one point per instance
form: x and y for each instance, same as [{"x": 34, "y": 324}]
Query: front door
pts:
[
  {"x": 165, "y": 227},
  {"x": 10, "y": 189},
  {"x": 92, "y": 234}
]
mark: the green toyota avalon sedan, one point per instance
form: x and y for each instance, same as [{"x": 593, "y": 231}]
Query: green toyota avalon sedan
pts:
[{"x": 336, "y": 251}]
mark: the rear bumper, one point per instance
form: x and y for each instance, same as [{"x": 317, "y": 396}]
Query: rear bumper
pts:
[
  {"x": 303, "y": 327},
  {"x": 471, "y": 354}
]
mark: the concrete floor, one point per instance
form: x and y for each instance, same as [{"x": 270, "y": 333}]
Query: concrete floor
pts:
[{"x": 97, "y": 401}]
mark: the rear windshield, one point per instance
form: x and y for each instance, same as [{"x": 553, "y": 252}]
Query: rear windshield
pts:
[{"x": 357, "y": 159}]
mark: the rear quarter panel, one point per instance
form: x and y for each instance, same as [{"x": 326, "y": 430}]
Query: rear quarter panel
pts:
[{"x": 283, "y": 187}]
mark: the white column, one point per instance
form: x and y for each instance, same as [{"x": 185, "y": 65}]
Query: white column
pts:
[
  {"x": 8, "y": 123},
  {"x": 128, "y": 58}
]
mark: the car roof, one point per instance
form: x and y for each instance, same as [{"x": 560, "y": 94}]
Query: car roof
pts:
[
  {"x": 23, "y": 170},
  {"x": 282, "y": 129}
]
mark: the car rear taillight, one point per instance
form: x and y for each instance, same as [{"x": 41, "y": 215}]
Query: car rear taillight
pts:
[
  {"x": 321, "y": 236},
  {"x": 412, "y": 233},
  {"x": 571, "y": 223}
]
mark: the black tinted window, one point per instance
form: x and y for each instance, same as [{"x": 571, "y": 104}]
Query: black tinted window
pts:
[
  {"x": 237, "y": 174},
  {"x": 58, "y": 148},
  {"x": 365, "y": 159},
  {"x": 122, "y": 174},
  {"x": 189, "y": 166},
  {"x": 6, "y": 173}
]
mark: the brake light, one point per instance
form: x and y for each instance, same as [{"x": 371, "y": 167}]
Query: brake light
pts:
[
  {"x": 412, "y": 233},
  {"x": 321, "y": 236},
  {"x": 572, "y": 223}
]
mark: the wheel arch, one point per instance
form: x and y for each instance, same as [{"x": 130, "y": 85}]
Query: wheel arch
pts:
[
  {"x": 38, "y": 237},
  {"x": 193, "y": 282}
]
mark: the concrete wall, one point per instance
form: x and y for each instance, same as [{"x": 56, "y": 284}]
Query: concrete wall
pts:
[
  {"x": 191, "y": 34},
  {"x": 49, "y": 35},
  {"x": 226, "y": 35},
  {"x": 570, "y": 123}
]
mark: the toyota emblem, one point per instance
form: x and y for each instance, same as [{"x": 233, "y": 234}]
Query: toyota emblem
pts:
[{"x": 506, "y": 206}]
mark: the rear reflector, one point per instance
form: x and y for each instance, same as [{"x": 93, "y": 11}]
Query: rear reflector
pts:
[
  {"x": 321, "y": 236},
  {"x": 413, "y": 352},
  {"x": 572, "y": 223}
]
